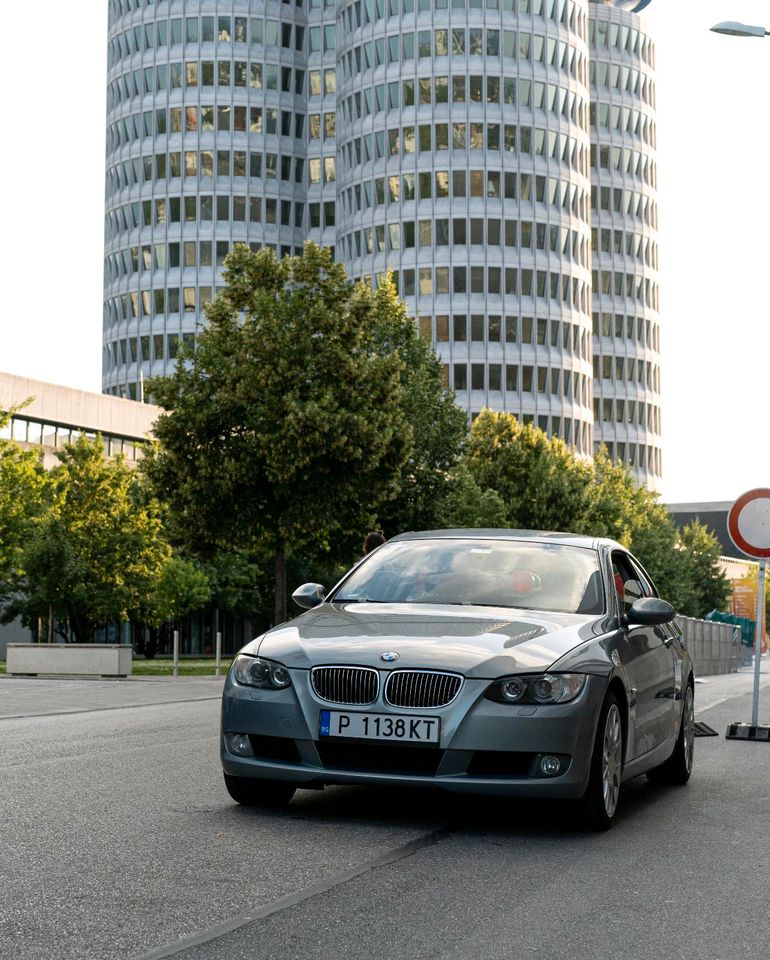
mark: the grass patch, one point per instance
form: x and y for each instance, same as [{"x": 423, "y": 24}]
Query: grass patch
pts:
[{"x": 164, "y": 667}]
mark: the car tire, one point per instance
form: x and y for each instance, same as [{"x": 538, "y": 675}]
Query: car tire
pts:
[
  {"x": 677, "y": 769},
  {"x": 251, "y": 792},
  {"x": 600, "y": 801}
]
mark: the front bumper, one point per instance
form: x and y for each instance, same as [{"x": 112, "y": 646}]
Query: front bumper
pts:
[{"x": 485, "y": 747}]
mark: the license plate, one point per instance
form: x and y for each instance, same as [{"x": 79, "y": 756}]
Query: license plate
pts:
[{"x": 380, "y": 726}]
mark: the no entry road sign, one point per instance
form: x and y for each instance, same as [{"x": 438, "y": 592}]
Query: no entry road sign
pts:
[{"x": 748, "y": 523}]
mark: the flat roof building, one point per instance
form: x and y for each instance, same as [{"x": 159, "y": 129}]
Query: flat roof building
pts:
[{"x": 57, "y": 415}]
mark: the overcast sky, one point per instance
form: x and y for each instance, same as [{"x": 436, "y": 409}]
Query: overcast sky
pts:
[{"x": 713, "y": 141}]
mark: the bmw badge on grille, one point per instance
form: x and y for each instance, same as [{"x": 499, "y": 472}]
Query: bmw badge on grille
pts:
[{"x": 389, "y": 656}]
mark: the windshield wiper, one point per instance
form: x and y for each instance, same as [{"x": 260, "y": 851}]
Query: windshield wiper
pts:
[
  {"x": 356, "y": 600},
  {"x": 506, "y": 606}
]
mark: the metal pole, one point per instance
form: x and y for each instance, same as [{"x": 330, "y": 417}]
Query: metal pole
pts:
[
  {"x": 219, "y": 653},
  {"x": 758, "y": 641},
  {"x": 176, "y": 653}
]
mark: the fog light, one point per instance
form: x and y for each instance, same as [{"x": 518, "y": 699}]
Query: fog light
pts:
[
  {"x": 550, "y": 766},
  {"x": 239, "y": 744}
]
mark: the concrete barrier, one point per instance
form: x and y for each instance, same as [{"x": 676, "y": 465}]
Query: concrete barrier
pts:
[
  {"x": 81, "y": 659},
  {"x": 714, "y": 647}
]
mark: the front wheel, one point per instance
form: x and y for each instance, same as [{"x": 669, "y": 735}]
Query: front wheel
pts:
[
  {"x": 677, "y": 769},
  {"x": 251, "y": 792},
  {"x": 600, "y": 800}
]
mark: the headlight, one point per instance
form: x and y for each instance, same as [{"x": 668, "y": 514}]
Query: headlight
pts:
[
  {"x": 539, "y": 688},
  {"x": 254, "y": 672}
]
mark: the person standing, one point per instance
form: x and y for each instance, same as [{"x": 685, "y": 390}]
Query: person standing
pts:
[{"x": 373, "y": 540}]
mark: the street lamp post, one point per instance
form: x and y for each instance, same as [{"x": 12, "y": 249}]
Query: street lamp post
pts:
[{"x": 732, "y": 28}]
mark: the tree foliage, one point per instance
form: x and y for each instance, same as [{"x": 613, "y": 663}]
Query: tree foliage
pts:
[
  {"x": 438, "y": 425},
  {"x": 711, "y": 588},
  {"x": 617, "y": 505},
  {"x": 541, "y": 482},
  {"x": 286, "y": 423},
  {"x": 545, "y": 486},
  {"x": 22, "y": 501},
  {"x": 181, "y": 586},
  {"x": 94, "y": 550},
  {"x": 463, "y": 503}
]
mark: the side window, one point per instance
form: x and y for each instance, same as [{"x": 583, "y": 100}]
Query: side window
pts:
[
  {"x": 648, "y": 590},
  {"x": 630, "y": 583}
]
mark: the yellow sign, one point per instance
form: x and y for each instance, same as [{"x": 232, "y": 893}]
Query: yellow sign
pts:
[{"x": 745, "y": 598}]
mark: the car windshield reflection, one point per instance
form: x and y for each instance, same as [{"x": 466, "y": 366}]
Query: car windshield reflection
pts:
[{"x": 501, "y": 573}]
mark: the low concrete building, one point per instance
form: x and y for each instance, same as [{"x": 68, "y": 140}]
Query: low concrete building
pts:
[
  {"x": 712, "y": 515},
  {"x": 54, "y": 417}
]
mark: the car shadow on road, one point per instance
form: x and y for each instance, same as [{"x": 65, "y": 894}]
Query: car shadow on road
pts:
[{"x": 430, "y": 809}]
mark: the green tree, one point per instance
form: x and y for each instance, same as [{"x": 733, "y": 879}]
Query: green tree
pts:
[
  {"x": 439, "y": 427},
  {"x": 234, "y": 580},
  {"x": 285, "y": 425},
  {"x": 655, "y": 542},
  {"x": 22, "y": 501},
  {"x": 711, "y": 588},
  {"x": 180, "y": 587},
  {"x": 463, "y": 503},
  {"x": 617, "y": 505},
  {"x": 543, "y": 485},
  {"x": 97, "y": 553}
]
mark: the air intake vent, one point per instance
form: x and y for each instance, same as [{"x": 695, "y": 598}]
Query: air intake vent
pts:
[
  {"x": 421, "y": 688},
  {"x": 346, "y": 684}
]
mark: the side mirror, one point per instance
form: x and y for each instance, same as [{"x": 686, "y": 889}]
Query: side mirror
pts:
[
  {"x": 650, "y": 611},
  {"x": 309, "y": 595}
]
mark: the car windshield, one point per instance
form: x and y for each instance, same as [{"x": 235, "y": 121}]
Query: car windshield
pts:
[{"x": 501, "y": 573}]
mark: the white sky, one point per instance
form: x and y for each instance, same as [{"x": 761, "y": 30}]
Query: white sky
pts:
[{"x": 713, "y": 142}]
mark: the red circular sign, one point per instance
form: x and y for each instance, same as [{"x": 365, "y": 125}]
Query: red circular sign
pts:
[{"x": 748, "y": 523}]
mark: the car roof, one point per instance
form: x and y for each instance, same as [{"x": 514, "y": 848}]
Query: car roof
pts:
[{"x": 534, "y": 536}]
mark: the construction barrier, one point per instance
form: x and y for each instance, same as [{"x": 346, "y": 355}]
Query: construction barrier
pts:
[{"x": 714, "y": 647}]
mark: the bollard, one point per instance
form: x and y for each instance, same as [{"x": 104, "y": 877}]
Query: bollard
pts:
[
  {"x": 219, "y": 653},
  {"x": 176, "y": 653}
]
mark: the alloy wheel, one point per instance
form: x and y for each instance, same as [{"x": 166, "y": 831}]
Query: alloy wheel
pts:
[
  {"x": 612, "y": 757},
  {"x": 688, "y": 721}
]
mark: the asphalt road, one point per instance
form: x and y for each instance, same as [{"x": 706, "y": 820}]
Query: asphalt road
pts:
[{"x": 117, "y": 840}]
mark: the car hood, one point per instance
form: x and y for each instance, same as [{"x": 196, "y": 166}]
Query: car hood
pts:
[{"x": 484, "y": 642}]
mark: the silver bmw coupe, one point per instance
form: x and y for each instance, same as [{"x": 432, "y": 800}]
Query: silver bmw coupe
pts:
[{"x": 476, "y": 661}]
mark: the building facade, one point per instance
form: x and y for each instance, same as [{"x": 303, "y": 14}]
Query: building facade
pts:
[
  {"x": 457, "y": 143},
  {"x": 48, "y": 416},
  {"x": 624, "y": 231}
]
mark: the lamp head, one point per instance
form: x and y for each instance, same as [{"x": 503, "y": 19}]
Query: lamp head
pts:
[{"x": 732, "y": 28}]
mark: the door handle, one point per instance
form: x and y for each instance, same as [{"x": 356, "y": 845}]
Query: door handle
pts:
[{"x": 668, "y": 641}]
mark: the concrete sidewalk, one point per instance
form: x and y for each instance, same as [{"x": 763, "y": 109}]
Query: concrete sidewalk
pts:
[
  {"x": 711, "y": 691},
  {"x": 35, "y": 697}
]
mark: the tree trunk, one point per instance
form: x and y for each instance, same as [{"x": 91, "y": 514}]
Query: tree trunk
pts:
[{"x": 280, "y": 582}]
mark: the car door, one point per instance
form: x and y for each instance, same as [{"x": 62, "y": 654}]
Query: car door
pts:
[{"x": 649, "y": 661}]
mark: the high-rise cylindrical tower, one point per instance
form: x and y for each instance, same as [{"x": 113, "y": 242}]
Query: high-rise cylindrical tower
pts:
[
  {"x": 449, "y": 141},
  {"x": 463, "y": 152},
  {"x": 206, "y": 146},
  {"x": 624, "y": 231}
]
